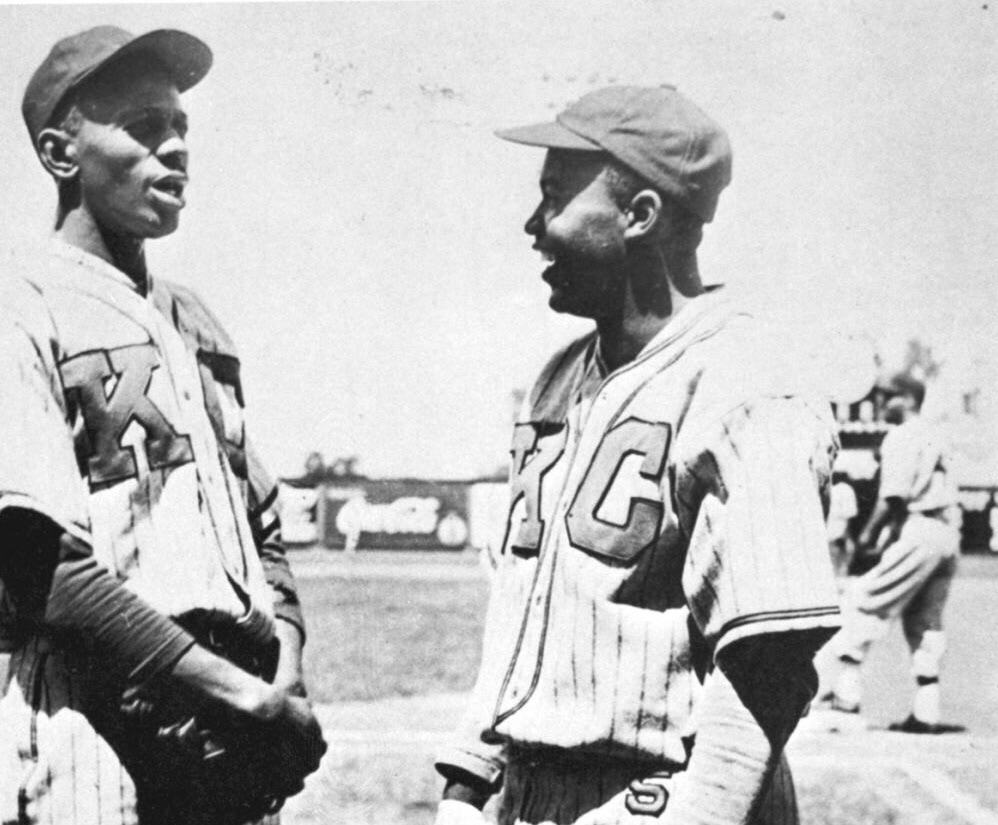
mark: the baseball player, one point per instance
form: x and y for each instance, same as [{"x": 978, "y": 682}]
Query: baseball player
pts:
[
  {"x": 664, "y": 579},
  {"x": 153, "y": 623},
  {"x": 914, "y": 528}
]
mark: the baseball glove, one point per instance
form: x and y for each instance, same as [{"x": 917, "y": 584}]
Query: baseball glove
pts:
[{"x": 242, "y": 768}]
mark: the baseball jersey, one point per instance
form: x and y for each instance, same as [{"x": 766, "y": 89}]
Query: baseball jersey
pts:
[
  {"x": 657, "y": 513},
  {"x": 126, "y": 411},
  {"x": 914, "y": 467},
  {"x": 122, "y": 412}
]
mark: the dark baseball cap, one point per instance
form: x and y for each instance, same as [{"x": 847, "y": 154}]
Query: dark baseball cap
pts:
[
  {"x": 655, "y": 131},
  {"x": 77, "y": 57}
]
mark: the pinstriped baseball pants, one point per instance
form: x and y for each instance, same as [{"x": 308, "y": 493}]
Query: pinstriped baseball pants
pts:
[
  {"x": 539, "y": 793},
  {"x": 56, "y": 769}
]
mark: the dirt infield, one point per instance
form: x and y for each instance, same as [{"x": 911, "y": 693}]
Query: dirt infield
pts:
[{"x": 379, "y": 769}]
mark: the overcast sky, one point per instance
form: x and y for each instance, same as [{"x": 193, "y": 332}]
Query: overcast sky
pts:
[{"x": 358, "y": 228}]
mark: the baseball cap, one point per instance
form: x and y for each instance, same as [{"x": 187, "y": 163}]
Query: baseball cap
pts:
[
  {"x": 905, "y": 384},
  {"x": 79, "y": 56},
  {"x": 655, "y": 131}
]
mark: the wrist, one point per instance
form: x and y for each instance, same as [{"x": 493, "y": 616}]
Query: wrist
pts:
[
  {"x": 265, "y": 702},
  {"x": 292, "y": 682}
]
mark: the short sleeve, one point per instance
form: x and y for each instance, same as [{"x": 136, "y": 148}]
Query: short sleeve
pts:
[
  {"x": 38, "y": 468},
  {"x": 851, "y": 508},
  {"x": 899, "y": 462},
  {"x": 752, "y": 492}
]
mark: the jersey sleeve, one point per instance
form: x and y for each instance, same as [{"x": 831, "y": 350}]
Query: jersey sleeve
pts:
[
  {"x": 899, "y": 462},
  {"x": 265, "y": 522},
  {"x": 38, "y": 467},
  {"x": 851, "y": 507},
  {"x": 752, "y": 493}
]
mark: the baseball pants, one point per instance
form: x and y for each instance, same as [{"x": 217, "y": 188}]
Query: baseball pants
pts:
[
  {"x": 539, "y": 792},
  {"x": 911, "y": 580},
  {"x": 56, "y": 769}
]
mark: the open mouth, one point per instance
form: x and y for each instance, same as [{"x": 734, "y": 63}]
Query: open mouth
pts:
[
  {"x": 555, "y": 273},
  {"x": 173, "y": 188},
  {"x": 550, "y": 261}
]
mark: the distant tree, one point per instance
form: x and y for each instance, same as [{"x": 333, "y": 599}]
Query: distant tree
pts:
[
  {"x": 919, "y": 361},
  {"x": 317, "y": 469},
  {"x": 315, "y": 464},
  {"x": 343, "y": 467}
]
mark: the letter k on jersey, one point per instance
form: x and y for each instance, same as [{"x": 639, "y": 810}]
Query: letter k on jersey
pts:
[
  {"x": 537, "y": 447},
  {"x": 108, "y": 411}
]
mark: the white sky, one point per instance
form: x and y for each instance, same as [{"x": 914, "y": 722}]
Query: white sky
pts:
[{"x": 357, "y": 227}]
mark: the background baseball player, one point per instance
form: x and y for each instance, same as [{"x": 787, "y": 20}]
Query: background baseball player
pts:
[
  {"x": 914, "y": 528},
  {"x": 664, "y": 580},
  {"x": 139, "y": 548}
]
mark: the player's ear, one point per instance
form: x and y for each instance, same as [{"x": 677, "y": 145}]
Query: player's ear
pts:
[
  {"x": 643, "y": 214},
  {"x": 56, "y": 149}
]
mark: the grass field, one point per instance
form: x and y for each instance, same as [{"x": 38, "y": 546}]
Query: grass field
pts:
[{"x": 394, "y": 642}]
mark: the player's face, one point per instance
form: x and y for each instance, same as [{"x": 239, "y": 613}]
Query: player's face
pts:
[
  {"x": 132, "y": 155},
  {"x": 579, "y": 229}
]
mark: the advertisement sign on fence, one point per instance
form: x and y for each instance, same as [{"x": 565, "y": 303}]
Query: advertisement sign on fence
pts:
[
  {"x": 393, "y": 513},
  {"x": 379, "y": 514}
]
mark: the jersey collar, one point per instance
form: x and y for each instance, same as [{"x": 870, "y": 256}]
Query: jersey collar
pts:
[
  {"x": 98, "y": 266},
  {"x": 701, "y": 315}
]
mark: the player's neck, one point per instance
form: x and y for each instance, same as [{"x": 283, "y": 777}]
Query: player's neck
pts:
[
  {"x": 655, "y": 294},
  {"x": 125, "y": 253}
]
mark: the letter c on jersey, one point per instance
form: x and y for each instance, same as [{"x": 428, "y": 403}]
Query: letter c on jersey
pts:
[
  {"x": 107, "y": 415},
  {"x": 618, "y": 510}
]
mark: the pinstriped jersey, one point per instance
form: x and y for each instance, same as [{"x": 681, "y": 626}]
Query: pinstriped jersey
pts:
[
  {"x": 657, "y": 514},
  {"x": 129, "y": 436}
]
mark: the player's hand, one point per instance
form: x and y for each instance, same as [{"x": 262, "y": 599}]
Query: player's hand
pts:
[
  {"x": 297, "y": 745},
  {"x": 642, "y": 803},
  {"x": 455, "y": 812}
]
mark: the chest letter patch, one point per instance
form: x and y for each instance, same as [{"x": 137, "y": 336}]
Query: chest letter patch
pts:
[
  {"x": 536, "y": 449},
  {"x": 618, "y": 509},
  {"x": 110, "y": 389}
]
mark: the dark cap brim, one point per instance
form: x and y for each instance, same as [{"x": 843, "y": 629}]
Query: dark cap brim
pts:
[
  {"x": 183, "y": 55},
  {"x": 550, "y": 135}
]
